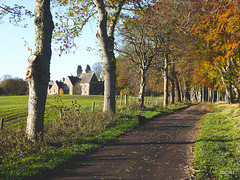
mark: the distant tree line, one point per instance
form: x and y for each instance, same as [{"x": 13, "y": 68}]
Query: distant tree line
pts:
[{"x": 13, "y": 86}]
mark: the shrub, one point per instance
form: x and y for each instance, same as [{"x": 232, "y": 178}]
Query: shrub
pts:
[{"x": 22, "y": 158}]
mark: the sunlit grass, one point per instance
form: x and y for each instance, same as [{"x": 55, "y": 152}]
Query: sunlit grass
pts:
[
  {"x": 66, "y": 136},
  {"x": 217, "y": 154}
]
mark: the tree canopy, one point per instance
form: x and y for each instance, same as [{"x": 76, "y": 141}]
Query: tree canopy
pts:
[
  {"x": 218, "y": 46},
  {"x": 79, "y": 70},
  {"x": 13, "y": 87}
]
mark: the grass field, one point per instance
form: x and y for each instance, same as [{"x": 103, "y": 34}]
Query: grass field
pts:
[{"x": 14, "y": 108}]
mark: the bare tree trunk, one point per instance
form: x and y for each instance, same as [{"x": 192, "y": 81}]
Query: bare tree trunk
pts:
[
  {"x": 199, "y": 95},
  {"x": 178, "y": 93},
  {"x": 38, "y": 74},
  {"x": 187, "y": 91},
  {"x": 142, "y": 89},
  {"x": 109, "y": 71},
  {"x": 236, "y": 92},
  {"x": 165, "y": 78},
  {"x": 109, "y": 61},
  {"x": 172, "y": 95},
  {"x": 228, "y": 90},
  {"x": 228, "y": 95},
  {"x": 214, "y": 96},
  {"x": 202, "y": 94},
  {"x": 172, "y": 79},
  {"x": 193, "y": 94},
  {"x": 105, "y": 36},
  {"x": 228, "y": 86},
  {"x": 218, "y": 96},
  {"x": 209, "y": 95},
  {"x": 205, "y": 94}
]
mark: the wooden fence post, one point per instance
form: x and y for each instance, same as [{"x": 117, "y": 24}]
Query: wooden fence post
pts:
[
  {"x": 93, "y": 106},
  {"x": 121, "y": 100},
  {"x": 126, "y": 99},
  {"x": 1, "y": 123}
]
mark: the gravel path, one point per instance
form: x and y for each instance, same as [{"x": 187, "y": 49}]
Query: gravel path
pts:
[{"x": 160, "y": 150}]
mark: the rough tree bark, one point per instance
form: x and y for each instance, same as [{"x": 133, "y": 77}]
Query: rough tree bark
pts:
[
  {"x": 205, "y": 94},
  {"x": 228, "y": 88},
  {"x": 178, "y": 91},
  {"x": 165, "y": 70},
  {"x": 172, "y": 80},
  {"x": 236, "y": 92},
  {"x": 165, "y": 79},
  {"x": 142, "y": 88},
  {"x": 228, "y": 95},
  {"x": 38, "y": 74},
  {"x": 172, "y": 92},
  {"x": 186, "y": 91},
  {"x": 105, "y": 36},
  {"x": 214, "y": 96}
]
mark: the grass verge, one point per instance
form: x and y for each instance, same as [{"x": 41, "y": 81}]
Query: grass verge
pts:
[
  {"x": 217, "y": 150},
  {"x": 74, "y": 134}
]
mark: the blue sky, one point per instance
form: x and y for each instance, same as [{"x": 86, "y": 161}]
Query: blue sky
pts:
[{"x": 14, "y": 54}]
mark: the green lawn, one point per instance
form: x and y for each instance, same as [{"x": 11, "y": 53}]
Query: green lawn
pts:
[
  {"x": 217, "y": 150},
  {"x": 14, "y": 108}
]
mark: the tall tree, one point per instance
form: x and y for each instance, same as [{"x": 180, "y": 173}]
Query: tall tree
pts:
[
  {"x": 141, "y": 46},
  {"x": 79, "y": 70},
  {"x": 108, "y": 12},
  {"x": 88, "y": 69},
  {"x": 105, "y": 35},
  {"x": 171, "y": 19},
  {"x": 38, "y": 74}
]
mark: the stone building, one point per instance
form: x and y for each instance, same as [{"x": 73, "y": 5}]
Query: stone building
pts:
[{"x": 85, "y": 84}]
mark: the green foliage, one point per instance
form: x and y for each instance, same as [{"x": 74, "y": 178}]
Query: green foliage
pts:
[
  {"x": 88, "y": 69},
  {"x": 217, "y": 146},
  {"x": 70, "y": 18},
  {"x": 14, "y": 87},
  {"x": 79, "y": 70}
]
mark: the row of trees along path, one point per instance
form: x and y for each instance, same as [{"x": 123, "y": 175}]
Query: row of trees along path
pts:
[{"x": 166, "y": 21}]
